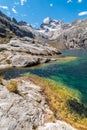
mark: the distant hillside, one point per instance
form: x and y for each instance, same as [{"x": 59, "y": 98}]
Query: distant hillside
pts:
[{"x": 10, "y": 28}]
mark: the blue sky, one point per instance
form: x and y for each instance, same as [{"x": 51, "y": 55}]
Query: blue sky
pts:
[{"x": 34, "y": 11}]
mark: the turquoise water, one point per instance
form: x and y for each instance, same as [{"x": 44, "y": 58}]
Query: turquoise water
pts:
[{"x": 72, "y": 74}]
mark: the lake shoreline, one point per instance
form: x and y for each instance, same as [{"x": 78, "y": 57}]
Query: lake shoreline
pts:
[
  {"x": 31, "y": 102},
  {"x": 45, "y": 61},
  {"x": 58, "y": 98}
]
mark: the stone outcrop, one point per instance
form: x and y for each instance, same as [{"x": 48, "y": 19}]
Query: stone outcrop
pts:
[{"x": 25, "y": 53}]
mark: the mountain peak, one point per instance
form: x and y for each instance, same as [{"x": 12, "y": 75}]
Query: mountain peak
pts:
[
  {"x": 49, "y": 23},
  {"x": 47, "y": 20}
]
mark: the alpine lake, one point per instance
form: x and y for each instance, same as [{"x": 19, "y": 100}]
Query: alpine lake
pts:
[{"x": 65, "y": 84}]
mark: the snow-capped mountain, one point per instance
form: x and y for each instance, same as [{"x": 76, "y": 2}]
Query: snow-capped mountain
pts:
[
  {"x": 50, "y": 24},
  {"x": 52, "y": 28},
  {"x": 66, "y": 35},
  {"x": 69, "y": 35}
]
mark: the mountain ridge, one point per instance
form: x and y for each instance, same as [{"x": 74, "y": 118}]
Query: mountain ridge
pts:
[{"x": 59, "y": 34}]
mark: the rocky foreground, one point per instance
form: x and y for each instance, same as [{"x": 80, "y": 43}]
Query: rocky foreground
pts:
[{"x": 27, "y": 109}]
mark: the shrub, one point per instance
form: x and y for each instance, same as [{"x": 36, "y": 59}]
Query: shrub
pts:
[
  {"x": 34, "y": 126},
  {"x": 8, "y": 61},
  {"x": 12, "y": 86}
]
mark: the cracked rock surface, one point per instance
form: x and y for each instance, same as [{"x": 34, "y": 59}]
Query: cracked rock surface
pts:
[{"x": 27, "y": 110}]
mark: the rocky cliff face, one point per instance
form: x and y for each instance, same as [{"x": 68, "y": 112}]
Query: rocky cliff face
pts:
[
  {"x": 66, "y": 36},
  {"x": 10, "y": 28},
  {"x": 74, "y": 37}
]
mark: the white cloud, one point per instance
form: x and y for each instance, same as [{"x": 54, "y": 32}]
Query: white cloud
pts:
[
  {"x": 16, "y": 3},
  {"x": 14, "y": 10},
  {"x": 69, "y": 1},
  {"x": 4, "y": 7},
  {"x": 23, "y": 1},
  {"x": 51, "y": 5},
  {"x": 82, "y": 13},
  {"x": 79, "y": 1}
]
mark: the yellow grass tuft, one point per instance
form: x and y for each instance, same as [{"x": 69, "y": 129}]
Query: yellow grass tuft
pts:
[{"x": 12, "y": 86}]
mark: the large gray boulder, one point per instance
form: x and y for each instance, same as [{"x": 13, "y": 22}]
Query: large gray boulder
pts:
[
  {"x": 25, "y": 53},
  {"x": 24, "y": 61}
]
